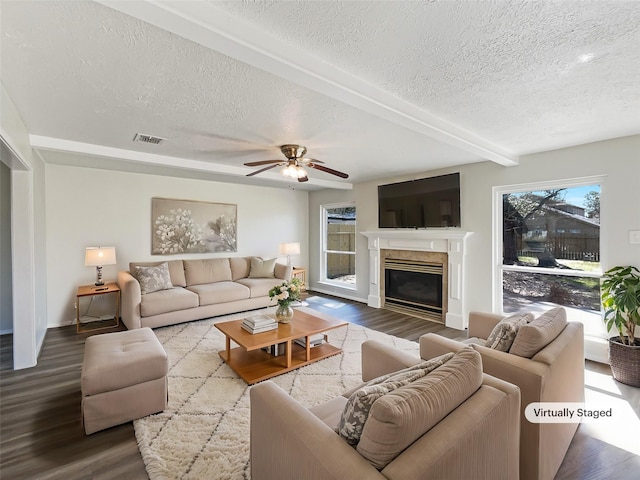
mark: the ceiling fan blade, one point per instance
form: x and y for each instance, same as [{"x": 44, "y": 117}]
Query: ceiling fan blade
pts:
[
  {"x": 307, "y": 161},
  {"x": 303, "y": 179},
  {"x": 262, "y": 162},
  {"x": 262, "y": 170},
  {"x": 328, "y": 170}
]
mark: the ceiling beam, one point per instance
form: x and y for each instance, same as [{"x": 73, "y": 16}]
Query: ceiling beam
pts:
[
  {"x": 216, "y": 29},
  {"x": 39, "y": 142}
]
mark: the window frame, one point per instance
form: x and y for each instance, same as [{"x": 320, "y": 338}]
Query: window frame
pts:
[
  {"x": 323, "y": 245},
  {"x": 497, "y": 227}
]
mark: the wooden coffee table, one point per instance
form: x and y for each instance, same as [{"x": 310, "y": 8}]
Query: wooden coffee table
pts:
[{"x": 253, "y": 364}]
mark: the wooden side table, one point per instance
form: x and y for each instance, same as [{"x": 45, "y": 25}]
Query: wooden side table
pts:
[
  {"x": 300, "y": 273},
  {"x": 90, "y": 291}
]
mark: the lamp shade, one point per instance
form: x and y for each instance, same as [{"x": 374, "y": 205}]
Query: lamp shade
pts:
[
  {"x": 99, "y": 256},
  {"x": 292, "y": 248}
]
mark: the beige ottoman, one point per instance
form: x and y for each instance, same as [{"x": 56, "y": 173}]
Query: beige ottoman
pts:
[{"x": 124, "y": 377}]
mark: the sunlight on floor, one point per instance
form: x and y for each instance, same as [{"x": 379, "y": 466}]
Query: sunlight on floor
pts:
[
  {"x": 325, "y": 302},
  {"x": 601, "y": 381},
  {"x": 620, "y": 430}
]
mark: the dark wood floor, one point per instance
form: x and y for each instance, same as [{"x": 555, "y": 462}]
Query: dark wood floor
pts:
[{"x": 41, "y": 436}]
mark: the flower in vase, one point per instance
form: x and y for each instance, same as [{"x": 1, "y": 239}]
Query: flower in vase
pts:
[{"x": 287, "y": 292}]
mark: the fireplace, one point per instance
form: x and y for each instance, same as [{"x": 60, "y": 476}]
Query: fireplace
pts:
[
  {"x": 442, "y": 247},
  {"x": 413, "y": 287}
]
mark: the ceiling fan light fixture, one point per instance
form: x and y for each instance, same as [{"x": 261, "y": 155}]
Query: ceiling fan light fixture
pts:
[
  {"x": 290, "y": 171},
  {"x": 292, "y": 166},
  {"x": 294, "y": 171},
  {"x": 300, "y": 172}
]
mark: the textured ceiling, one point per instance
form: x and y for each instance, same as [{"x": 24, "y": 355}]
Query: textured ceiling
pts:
[
  {"x": 375, "y": 89},
  {"x": 508, "y": 71}
]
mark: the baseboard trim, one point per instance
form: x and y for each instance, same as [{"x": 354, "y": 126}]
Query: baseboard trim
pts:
[{"x": 338, "y": 294}]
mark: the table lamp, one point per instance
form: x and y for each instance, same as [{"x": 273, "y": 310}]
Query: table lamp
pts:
[
  {"x": 289, "y": 249},
  {"x": 97, "y": 257}
]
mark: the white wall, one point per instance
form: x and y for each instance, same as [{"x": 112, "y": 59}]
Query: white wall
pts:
[
  {"x": 91, "y": 207},
  {"x": 28, "y": 233},
  {"x": 618, "y": 159}
]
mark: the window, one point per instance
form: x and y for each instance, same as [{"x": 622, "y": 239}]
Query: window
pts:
[
  {"x": 548, "y": 248},
  {"x": 339, "y": 245}
]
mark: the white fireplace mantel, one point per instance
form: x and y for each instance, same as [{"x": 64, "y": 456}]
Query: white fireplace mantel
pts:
[{"x": 449, "y": 241}]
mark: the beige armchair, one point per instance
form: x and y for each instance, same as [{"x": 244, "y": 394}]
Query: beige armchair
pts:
[
  {"x": 554, "y": 374},
  {"x": 289, "y": 441}
]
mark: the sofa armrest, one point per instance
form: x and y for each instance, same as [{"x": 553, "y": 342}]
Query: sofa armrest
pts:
[
  {"x": 283, "y": 271},
  {"x": 432, "y": 346},
  {"x": 481, "y": 323},
  {"x": 528, "y": 374},
  {"x": 130, "y": 298},
  {"x": 288, "y": 441},
  {"x": 379, "y": 359}
]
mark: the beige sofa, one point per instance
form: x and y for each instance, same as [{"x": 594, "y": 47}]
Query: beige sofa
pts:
[
  {"x": 553, "y": 373},
  {"x": 198, "y": 289},
  {"x": 434, "y": 427}
]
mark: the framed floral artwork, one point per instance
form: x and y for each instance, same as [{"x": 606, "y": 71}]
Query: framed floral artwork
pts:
[{"x": 188, "y": 226}]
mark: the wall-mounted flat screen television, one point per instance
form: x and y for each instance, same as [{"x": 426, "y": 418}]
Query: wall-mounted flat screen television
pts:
[{"x": 423, "y": 203}]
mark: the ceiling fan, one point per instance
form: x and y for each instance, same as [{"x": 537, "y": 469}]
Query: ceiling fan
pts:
[{"x": 295, "y": 164}]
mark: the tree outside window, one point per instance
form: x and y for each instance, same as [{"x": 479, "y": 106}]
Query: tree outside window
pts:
[{"x": 551, "y": 247}]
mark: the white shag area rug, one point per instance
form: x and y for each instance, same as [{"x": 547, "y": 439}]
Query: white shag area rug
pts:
[{"x": 204, "y": 433}]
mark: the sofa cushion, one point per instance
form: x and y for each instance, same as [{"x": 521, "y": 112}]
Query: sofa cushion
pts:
[
  {"x": 399, "y": 418},
  {"x": 261, "y": 268},
  {"x": 538, "y": 333},
  {"x": 164, "y": 301},
  {"x": 503, "y": 334},
  {"x": 210, "y": 270},
  {"x": 153, "y": 279},
  {"x": 359, "y": 404},
  {"x": 220, "y": 292},
  {"x": 260, "y": 287},
  {"x": 176, "y": 270},
  {"x": 240, "y": 267},
  {"x": 330, "y": 411}
]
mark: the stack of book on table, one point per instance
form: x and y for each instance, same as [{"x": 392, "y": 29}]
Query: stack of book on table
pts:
[
  {"x": 259, "y": 324},
  {"x": 314, "y": 340}
]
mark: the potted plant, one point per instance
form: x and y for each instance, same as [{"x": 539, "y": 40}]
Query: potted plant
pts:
[{"x": 621, "y": 301}]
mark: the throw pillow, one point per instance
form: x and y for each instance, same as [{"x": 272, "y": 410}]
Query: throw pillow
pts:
[
  {"x": 176, "y": 270},
  {"x": 404, "y": 415},
  {"x": 356, "y": 411},
  {"x": 154, "y": 279},
  {"x": 537, "y": 334},
  {"x": 503, "y": 334},
  {"x": 262, "y": 268}
]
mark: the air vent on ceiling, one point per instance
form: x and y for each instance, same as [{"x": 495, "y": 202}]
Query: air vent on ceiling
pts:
[{"x": 141, "y": 137}]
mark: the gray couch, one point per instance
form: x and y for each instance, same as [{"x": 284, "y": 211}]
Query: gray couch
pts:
[
  {"x": 455, "y": 423},
  {"x": 201, "y": 288}
]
